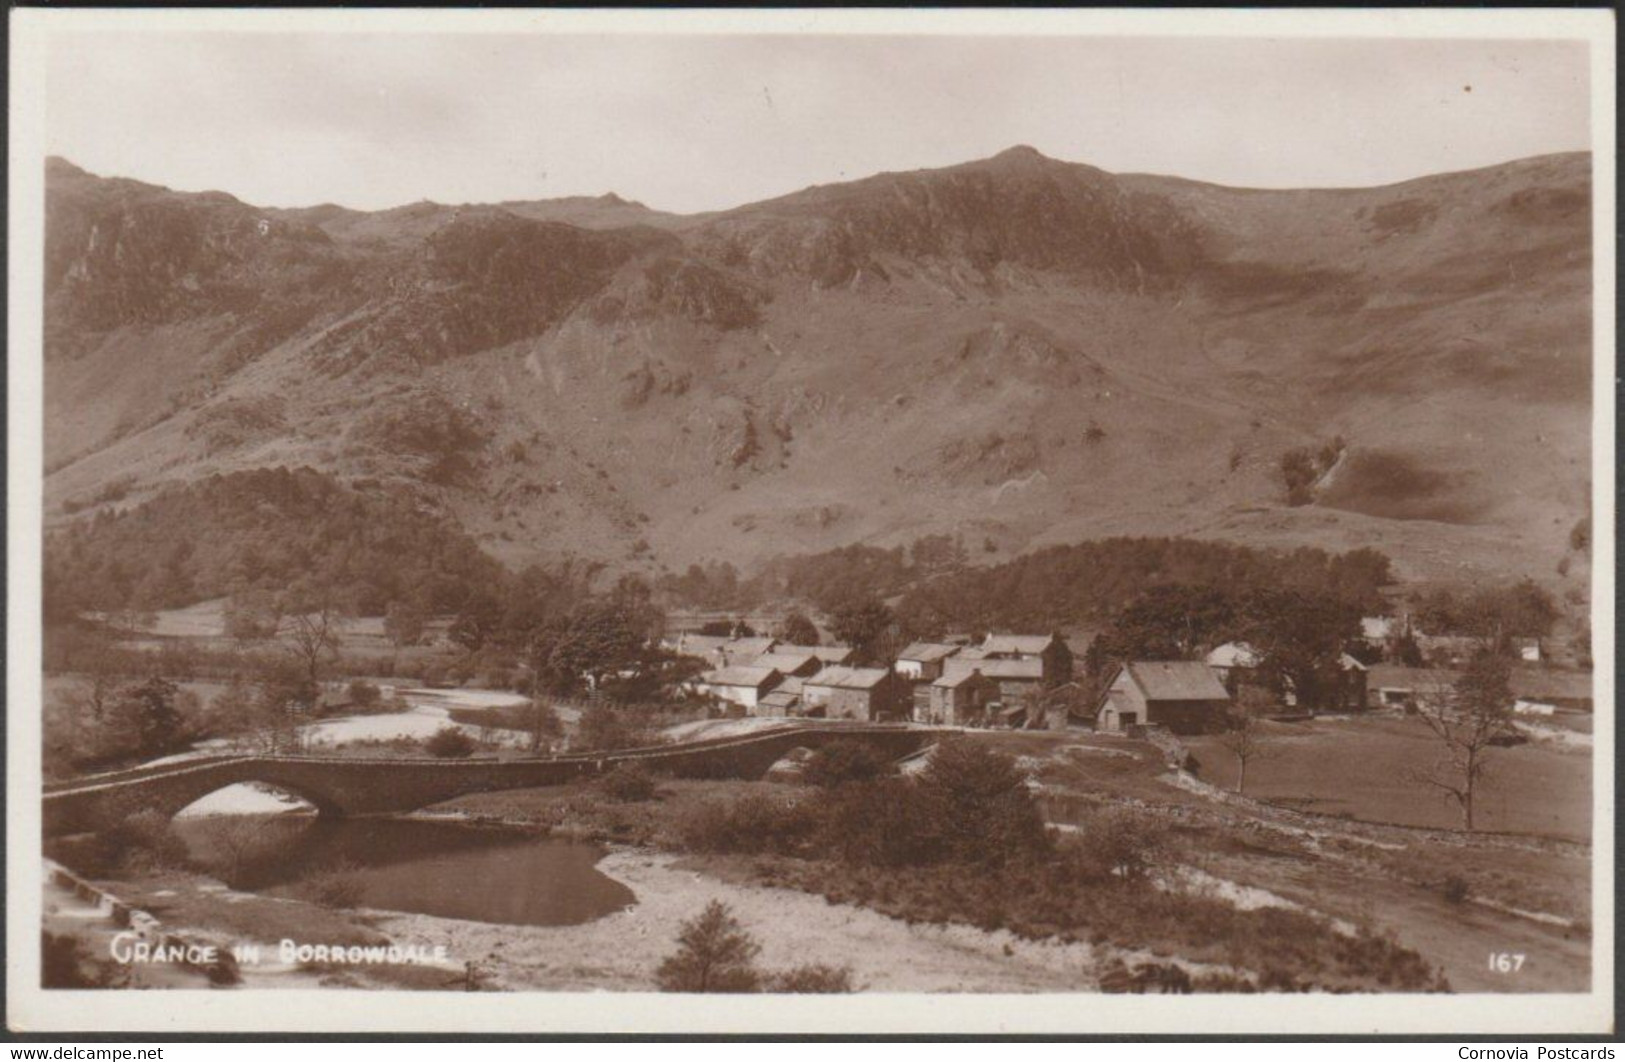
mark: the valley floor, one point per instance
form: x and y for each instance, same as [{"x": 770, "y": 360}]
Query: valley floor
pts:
[{"x": 1526, "y": 894}]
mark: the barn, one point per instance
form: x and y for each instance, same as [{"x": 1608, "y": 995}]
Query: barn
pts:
[{"x": 1183, "y": 695}]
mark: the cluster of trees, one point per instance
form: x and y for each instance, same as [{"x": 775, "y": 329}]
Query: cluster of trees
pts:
[
  {"x": 1298, "y": 635},
  {"x": 264, "y": 531},
  {"x": 824, "y": 580},
  {"x": 1089, "y": 581},
  {"x": 103, "y": 719},
  {"x": 1491, "y": 614},
  {"x": 938, "y": 590}
]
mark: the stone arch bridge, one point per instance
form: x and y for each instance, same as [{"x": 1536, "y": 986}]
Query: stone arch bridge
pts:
[{"x": 338, "y": 786}]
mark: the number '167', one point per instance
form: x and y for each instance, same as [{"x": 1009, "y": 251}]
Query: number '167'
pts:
[{"x": 1506, "y": 961}]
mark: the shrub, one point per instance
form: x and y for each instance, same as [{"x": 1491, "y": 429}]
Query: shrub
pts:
[
  {"x": 714, "y": 954},
  {"x": 364, "y": 694},
  {"x": 845, "y": 761},
  {"x": 449, "y": 743},
  {"x": 65, "y": 963},
  {"x": 603, "y": 728},
  {"x": 754, "y": 823},
  {"x": 982, "y": 806},
  {"x": 1455, "y": 889},
  {"x": 628, "y": 783},
  {"x": 1117, "y": 844},
  {"x": 146, "y": 840},
  {"x": 889, "y": 822},
  {"x": 813, "y": 978},
  {"x": 339, "y": 885}
]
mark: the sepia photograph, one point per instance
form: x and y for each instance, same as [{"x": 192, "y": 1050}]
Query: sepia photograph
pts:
[{"x": 1072, "y": 522}]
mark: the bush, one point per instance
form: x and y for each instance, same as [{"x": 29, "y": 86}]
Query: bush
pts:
[
  {"x": 628, "y": 783},
  {"x": 364, "y": 694},
  {"x": 845, "y": 761},
  {"x": 714, "y": 954},
  {"x": 983, "y": 809},
  {"x": 1455, "y": 889},
  {"x": 449, "y": 743},
  {"x": 339, "y": 885},
  {"x": 814, "y": 978},
  {"x": 604, "y": 729},
  {"x": 754, "y": 823},
  {"x": 146, "y": 840},
  {"x": 65, "y": 963},
  {"x": 889, "y": 822},
  {"x": 1116, "y": 844}
]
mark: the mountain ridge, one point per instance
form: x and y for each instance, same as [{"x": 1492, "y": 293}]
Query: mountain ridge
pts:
[{"x": 1017, "y": 349}]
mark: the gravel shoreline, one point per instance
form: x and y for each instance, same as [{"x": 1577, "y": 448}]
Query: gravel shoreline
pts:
[{"x": 620, "y": 952}]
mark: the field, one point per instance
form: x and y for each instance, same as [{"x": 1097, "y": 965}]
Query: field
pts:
[{"x": 1358, "y": 768}]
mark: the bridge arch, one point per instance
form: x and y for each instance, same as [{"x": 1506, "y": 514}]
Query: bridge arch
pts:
[{"x": 255, "y": 797}]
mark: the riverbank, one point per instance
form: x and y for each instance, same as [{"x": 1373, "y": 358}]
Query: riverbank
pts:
[{"x": 621, "y": 951}]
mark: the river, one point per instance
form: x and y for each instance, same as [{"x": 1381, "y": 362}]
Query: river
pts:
[{"x": 420, "y": 866}]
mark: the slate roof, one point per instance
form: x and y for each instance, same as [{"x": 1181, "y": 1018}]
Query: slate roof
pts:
[
  {"x": 783, "y": 662},
  {"x": 954, "y": 681},
  {"x": 1032, "y": 644},
  {"x": 927, "y": 652},
  {"x": 1394, "y": 677},
  {"x": 786, "y": 694},
  {"x": 848, "y": 678},
  {"x": 746, "y": 647},
  {"x": 699, "y": 644},
  {"x": 829, "y": 654},
  {"x": 995, "y": 669},
  {"x": 1537, "y": 682},
  {"x": 1177, "y": 680},
  {"x": 1233, "y": 654},
  {"x": 754, "y": 677}
]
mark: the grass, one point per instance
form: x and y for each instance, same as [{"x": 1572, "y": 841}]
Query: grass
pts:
[{"x": 1357, "y": 768}]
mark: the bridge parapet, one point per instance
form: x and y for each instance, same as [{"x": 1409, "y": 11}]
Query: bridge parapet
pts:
[{"x": 346, "y": 786}]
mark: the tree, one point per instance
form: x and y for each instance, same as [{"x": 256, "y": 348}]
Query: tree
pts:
[
  {"x": 283, "y": 697},
  {"x": 158, "y": 723},
  {"x": 798, "y": 629},
  {"x": 1244, "y": 738},
  {"x": 404, "y": 622},
  {"x": 475, "y": 624},
  {"x": 714, "y": 954},
  {"x": 251, "y": 617},
  {"x": 1170, "y": 622},
  {"x": 845, "y": 761},
  {"x": 449, "y": 743},
  {"x": 1467, "y": 720},
  {"x": 1299, "y": 638},
  {"x": 312, "y": 637},
  {"x": 870, "y": 628},
  {"x": 542, "y": 722},
  {"x": 597, "y": 640},
  {"x": 983, "y": 809}
]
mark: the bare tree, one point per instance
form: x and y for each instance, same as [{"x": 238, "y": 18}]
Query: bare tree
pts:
[
  {"x": 312, "y": 636},
  {"x": 1468, "y": 720},
  {"x": 1244, "y": 738}
]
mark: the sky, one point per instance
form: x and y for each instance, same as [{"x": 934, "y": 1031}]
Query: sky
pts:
[{"x": 696, "y": 123}]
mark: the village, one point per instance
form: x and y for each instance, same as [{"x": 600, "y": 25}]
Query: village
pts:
[{"x": 1032, "y": 682}]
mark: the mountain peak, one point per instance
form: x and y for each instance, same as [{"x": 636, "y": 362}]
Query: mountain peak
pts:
[
  {"x": 1021, "y": 153},
  {"x": 57, "y": 166}
]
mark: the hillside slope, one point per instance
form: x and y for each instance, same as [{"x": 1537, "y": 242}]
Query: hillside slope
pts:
[{"x": 1018, "y": 350}]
